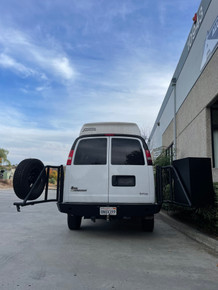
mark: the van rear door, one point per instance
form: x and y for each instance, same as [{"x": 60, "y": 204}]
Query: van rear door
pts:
[
  {"x": 109, "y": 169},
  {"x": 87, "y": 178},
  {"x": 130, "y": 178}
]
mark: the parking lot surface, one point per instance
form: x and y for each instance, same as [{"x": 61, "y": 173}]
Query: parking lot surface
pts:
[{"x": 37, "y": 251}]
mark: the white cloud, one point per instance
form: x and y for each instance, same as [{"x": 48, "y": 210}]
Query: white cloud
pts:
[
  {"x": 24, "y": 140},
  {"x": 162, "y": 8},
  {"x": 8, "y": 62},
  {"x": 63, "y": 67},
  {"x": 31, "y": 59},
  {"x": 52, "y": 147},
  {"x": 10, "y": 116}
]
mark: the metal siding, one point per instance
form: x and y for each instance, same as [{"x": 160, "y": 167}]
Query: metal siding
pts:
[
  {"x": 192, "y": 68},
  {"x": 187, "y": 72}
]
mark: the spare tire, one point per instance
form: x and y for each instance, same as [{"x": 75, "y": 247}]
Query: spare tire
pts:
[{"x": 26, "y": 175}]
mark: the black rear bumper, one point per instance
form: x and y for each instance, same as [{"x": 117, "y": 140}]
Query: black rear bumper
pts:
[{"x": 89, "y": 210}]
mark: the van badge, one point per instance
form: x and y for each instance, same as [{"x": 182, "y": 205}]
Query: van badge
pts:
[
  {"x": 143, "y": 193},
  {"x": 88, "y": 129},
  {"x": 77, "y": 189}
]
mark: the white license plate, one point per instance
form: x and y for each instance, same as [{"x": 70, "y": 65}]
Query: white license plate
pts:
[{"x": 108, "y": 211}]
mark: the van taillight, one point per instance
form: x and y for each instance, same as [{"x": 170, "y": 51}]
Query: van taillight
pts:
[
  {"x": 70, "y": 157},
  {"x": 148, "y": 157}
]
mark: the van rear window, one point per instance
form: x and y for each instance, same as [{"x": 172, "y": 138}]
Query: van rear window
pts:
[
  {"x": 91, "y": 152},
  {"x": 126, "y": 152}
]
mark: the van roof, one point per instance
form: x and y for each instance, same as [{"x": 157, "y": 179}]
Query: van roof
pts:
[{"x": 110, "y": 128}]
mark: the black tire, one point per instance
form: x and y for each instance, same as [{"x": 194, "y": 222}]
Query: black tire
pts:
[
  {"x": 25, "y": 176},
  {"x": 148, "y": 224},
  {"x": 74, "y": 222}
]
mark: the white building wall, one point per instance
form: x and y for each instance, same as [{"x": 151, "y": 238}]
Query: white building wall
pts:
[
  {"x": 187, "y": 71},
  {"x": 192, "y": 67}
]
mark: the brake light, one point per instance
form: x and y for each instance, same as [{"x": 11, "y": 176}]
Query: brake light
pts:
[
  {"x": 148, "y": 157},
  {"x": 70, "y": 157},
  {"x": 108, "y": 134}
]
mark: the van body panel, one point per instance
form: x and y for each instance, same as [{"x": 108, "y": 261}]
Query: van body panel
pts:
[
  {"x": 87, "y": 185},
  {"x": 141, "y": 191},
  {"x": 97, "y": 182},
  {"x": 87, "y": 182}
]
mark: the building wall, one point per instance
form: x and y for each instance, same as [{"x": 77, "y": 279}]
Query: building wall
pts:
[
  {"x": 194, "y": 119},
  {"x": 196, "y": 90},
  {"x": 190, "y": 67}
]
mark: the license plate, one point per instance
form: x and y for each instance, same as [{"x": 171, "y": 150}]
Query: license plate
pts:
[{"x": 108, "y": 211}]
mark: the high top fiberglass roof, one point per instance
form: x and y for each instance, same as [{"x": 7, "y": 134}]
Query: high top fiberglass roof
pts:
[{"x": 110, "y": 128}]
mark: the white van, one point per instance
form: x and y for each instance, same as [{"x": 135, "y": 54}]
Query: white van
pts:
[{"x": 109, "y": 175}]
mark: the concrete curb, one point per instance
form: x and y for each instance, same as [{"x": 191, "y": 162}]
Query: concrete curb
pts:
[{"x": 191, "y": 233}]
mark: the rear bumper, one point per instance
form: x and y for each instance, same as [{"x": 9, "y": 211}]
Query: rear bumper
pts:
[{"x": 123, "y": 210}]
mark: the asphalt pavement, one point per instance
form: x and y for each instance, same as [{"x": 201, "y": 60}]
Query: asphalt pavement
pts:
[
  {"x": 202, "y": 238},
  {"x": 38, "y": 251}
]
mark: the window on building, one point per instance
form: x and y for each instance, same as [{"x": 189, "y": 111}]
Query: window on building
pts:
[{"x": 214, "y": 126}]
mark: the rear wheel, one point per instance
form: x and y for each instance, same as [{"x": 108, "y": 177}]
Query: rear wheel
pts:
[
  {"x": 74, "y": 222},
  {"x": 148, "y": 224}
]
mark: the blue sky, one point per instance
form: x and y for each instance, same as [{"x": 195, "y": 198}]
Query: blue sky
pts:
[{"x": 65, "y": 62}]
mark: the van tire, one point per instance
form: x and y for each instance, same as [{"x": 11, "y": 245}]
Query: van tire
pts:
[
  {"x": 25, "y": 176},
  {"x": 74, "y": 222},
  {"x": 148, "y": 224}
]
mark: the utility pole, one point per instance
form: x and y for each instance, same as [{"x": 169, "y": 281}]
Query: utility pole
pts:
[{"x": 173, "y": 83}]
